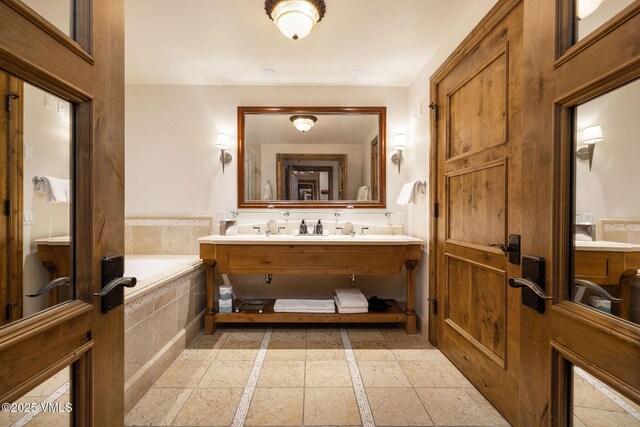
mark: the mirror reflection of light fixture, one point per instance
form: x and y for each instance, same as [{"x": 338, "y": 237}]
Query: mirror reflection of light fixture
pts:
[
  {"x": 590, "y": 136},
  {"x": 399, "y": 144},
  {"x": 303, "y": 123},
  {"x": 587, "y": 7},
  {"x": 223, "y": 144},
  {"x": 295, "y": 18}
]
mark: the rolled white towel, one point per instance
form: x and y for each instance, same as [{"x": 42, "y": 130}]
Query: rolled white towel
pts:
[{"x": 351, "y": 298}]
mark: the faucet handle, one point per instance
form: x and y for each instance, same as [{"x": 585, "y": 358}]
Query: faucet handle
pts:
[
  {"x": 362, "y": 230},
  {"x": 257, "y": 228}
]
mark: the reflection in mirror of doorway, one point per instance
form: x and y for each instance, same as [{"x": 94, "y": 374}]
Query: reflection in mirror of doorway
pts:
[
  {"x": 607, "y": 209},
  {"x": 38, "y": 156}
]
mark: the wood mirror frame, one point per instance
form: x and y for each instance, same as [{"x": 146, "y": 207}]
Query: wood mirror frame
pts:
[{"x": 326, "y": 204}]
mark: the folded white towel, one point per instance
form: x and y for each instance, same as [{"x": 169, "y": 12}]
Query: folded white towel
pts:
[
  {"x": 268, "y": 192},
  {"x": 408, "y": 194},
  {"x": 351, "y": 298},
  {"x": 304, "y": 306},
  {"x": 349, "y": 310},
  {"x": 363, "y": 193},
  {"x": 57, "y": 190}
]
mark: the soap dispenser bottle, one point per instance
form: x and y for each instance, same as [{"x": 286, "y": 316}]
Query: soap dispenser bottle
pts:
[
  {"x": 319, "y": 228},
  {"x": 303, "y": 227}
]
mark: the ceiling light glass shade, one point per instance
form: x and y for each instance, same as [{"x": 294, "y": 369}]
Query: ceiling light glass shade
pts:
[
  {"x": 587, "y": 7},
  {"x": 295, "y": 18},
  {"x": 223, "y": 141},
  {"x": 592, "y": 134},
  {"x": 400, "y": 142},
  {"x": 303, "y": 123}
]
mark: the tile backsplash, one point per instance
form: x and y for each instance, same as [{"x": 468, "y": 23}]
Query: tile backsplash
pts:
[
  {"x": 166, "y": 236},
  {"x": 619, "y": 230}
]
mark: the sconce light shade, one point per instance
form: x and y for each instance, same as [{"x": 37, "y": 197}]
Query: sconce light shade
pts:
[
  {"x": 223, "y": 141},
  {"x": 587, "y": 7},
  {"x": 399, "y": 144},
  {"x": 592, "y": 134}
]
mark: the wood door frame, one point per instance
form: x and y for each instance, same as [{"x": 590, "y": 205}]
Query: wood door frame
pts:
[
  {"x": 13, "y": 185},
  {"x": 89, "y": 72}
]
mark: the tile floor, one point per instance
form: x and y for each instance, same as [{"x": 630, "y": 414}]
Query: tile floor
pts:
[{"x": 305, "y": 378}]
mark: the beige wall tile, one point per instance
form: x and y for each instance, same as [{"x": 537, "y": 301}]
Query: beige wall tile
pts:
[
  {"x": 276, "y": 407},
  {"x": 184, "y": 311},
  {"x": 128, "y": 240},
  {"x": 164, "y": 298},
  {"x": 135, "y": 316},
  {"x": 164, "y": 325},
  {"x": 145, "y": 240},
  {"x": 176, "y": 240},
  {"x": 397, "y": 407},
  {"x": 138, "y": 344}
]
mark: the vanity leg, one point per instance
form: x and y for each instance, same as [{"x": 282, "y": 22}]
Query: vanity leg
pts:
[
  {"x": 625, "y": 293},
  {"x": 410, "y": 325},
  {"x": 210, "y": 313}
]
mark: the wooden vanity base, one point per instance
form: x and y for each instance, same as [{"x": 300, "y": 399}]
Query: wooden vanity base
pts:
[{"x": 370, "y": 259}]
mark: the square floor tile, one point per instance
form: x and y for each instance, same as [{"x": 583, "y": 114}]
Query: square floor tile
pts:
[
  {"x": 276, "y": 407},
  {"x": 227, "y": 374},
  {"x": 324, "y": 350},
  {"x": 330, "y": 406},
  {"x": 397, "y": 407},
  {"x": 238, "y": 350},
  {"x": 599, "y": 417},
  {"x": 183, "y": 373},
  {"x": 209, "y": 407},
  {"x": 427, "y": 375},
  {"x": 382, "y": 374},
  {"x": 159, "y": 407},
  {"x": 372, "y": 350},
  {"x": 282, "y": 373},
  {"x": 487, "y": 408},
  {"x": 327, "y": 373},
  {"x": 365, "y": 334},
  {"x": 452, "y": 407},
  {"x": 286, "y": 350}
]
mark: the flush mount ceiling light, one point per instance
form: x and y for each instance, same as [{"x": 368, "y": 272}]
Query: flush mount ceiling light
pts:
[
  {"x": 295, "y": 18},
  {"x": 303, "y": 123}
]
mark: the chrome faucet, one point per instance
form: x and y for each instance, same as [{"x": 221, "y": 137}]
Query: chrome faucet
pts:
[
  {"x": 341, "y": 230},
  {"x": 362, "y": 230},
  {"x": 281, "y": 228},
  {"x": 257, "y": 228}
]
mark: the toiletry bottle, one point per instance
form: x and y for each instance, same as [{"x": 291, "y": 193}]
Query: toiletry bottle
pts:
[
  {"x": 303, "y": 227},
  {"x": 319, "y": 228}
]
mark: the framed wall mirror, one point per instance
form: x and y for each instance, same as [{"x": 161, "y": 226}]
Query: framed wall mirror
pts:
[{"x": 311, "y": 157}]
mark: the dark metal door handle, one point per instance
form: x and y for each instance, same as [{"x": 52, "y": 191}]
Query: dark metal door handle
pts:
[
  {"x": 504, "y": 248},
  {"x": 62, "y": 281},
  {"x": 599, "y": 290},
  {"x": 128, "y": 282},
  {"x": 518, "y": 282},
  {"x": 512, "y": 249}
]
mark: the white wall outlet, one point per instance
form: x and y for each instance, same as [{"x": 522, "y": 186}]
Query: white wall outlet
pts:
[
  {"x": 28, "y": 152},
  {"x": 28, "y": 217},
  {"x": 587, "y": 217},
  {"x": 50, "y": 101},
  {"x": 221, "y": 215},
  {"x": 400, "y": 218},
  {"x": 420, "y": 109}
]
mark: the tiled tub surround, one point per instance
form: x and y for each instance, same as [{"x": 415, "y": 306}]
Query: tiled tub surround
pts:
[
  {"x": 166, "y": 236},
  {"x": 163, "y": 314}
]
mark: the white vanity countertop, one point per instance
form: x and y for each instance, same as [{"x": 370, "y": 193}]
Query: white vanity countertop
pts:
[
  {"x": 54, "y": 241},
  {"x": 603, "y": 245},
  {"x": 333, "y": 239}
]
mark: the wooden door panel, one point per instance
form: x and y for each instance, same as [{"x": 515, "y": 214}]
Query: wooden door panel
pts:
[
  {"x": 476, "y": 305},
  {"x": 477, "y": 108},
  {"x": 476, "y": 204}
]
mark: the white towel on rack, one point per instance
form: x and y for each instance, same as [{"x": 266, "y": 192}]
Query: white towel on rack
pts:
[
  {"x": 349, "y": 310},
  {"x": 351, "y": 298},
  {"x": 268, "y": 192},
  {"x": 304, "y": 306},
  {"x": 408, "y": 194},
  {"x": 57, "y": 190},
  {"x": 363, "y": 193}
]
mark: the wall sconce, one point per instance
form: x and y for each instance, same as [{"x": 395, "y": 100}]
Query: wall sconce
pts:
[
  {"x": 399, "y": 144},
  {"x": 590, "y": 136},
  {"x": 223, "y": 144}
]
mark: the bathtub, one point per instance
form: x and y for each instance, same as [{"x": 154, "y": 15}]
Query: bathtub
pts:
[{"x": 163, "y": 313}]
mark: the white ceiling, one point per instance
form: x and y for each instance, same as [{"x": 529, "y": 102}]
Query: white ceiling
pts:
[
  {"x": 329, "y": 129},
  {"x": 228, "y": 42}
]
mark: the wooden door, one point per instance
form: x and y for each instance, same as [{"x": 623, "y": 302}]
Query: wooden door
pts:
[
  {"x": 88, "y": 71},
  {"x": 562, "y": 74},
  {"x": 477, "y": 153}
]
